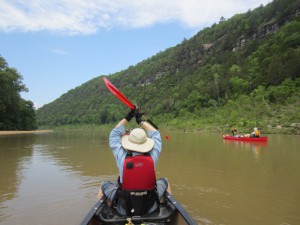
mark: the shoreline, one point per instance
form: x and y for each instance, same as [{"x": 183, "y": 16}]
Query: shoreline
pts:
[{"x": 12, "y": 132}]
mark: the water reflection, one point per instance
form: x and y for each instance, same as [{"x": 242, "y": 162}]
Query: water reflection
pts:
[
  {"x": 255, "y": 147},
  {"x": 15, "y": 151},
  {"x": 85, "y": 153},
  {"x": 55, "y": 167},
  {"x": 58, "y": 174}
]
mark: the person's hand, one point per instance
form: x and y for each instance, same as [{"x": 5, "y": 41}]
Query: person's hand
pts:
[
  {"x": 138, "y": 117},
  {"x": 130, "y": 115}
]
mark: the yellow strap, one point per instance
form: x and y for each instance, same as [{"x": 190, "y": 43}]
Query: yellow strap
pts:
[{"x": 129, "y": 222}]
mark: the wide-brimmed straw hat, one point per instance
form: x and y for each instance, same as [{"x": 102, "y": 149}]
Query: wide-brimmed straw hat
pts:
[{"x": 137, "y": 141}]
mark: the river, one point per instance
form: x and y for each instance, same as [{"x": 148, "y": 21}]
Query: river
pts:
[{"x": 53, "y": 178}]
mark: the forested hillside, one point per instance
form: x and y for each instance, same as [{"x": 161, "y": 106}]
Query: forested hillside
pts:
[{"x": 243, "y": 71}]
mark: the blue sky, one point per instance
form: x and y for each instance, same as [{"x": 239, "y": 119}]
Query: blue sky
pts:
[{"x": 58, "y": 45}]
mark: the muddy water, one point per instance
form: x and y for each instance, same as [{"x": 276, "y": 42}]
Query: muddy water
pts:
[{"x": 53, "y": 178}]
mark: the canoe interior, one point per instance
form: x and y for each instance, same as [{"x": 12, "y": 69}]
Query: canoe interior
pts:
[
  {"x": 171, "y": 212},
  {"x": 166, "y": 215},
  {"x": 176, "y": 220}
]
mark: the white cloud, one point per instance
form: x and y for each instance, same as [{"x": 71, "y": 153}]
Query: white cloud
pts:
[{"x": 88, "y": 16}]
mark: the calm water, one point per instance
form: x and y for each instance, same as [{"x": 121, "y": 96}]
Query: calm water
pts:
[{"x": 54, "y": 178}]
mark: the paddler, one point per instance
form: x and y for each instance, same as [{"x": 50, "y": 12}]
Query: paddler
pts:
[
  {"x": 255, "y": 133},
  {"x": 137, "y": 191},
  {"x": 233, "y": 131}
]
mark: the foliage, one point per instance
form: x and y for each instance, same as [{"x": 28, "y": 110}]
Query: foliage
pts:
[
  {"x": 16, "y": 113},
  {"x": 243, "y": 70}
]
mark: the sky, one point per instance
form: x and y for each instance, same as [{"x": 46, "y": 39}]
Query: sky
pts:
[{"x": 57, "y": 45}]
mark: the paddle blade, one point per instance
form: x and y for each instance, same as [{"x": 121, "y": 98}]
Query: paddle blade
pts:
[{"x": 117, "y": 93}]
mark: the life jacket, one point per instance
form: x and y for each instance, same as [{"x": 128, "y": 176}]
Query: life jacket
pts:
[
  {"x": 138, "y": 186},
  {"x": 257, "y": 133}
]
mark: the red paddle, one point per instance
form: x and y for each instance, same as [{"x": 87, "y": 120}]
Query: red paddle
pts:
[
  {"x": 123, "y": 99},
  {"x": 117, "y": 93}
]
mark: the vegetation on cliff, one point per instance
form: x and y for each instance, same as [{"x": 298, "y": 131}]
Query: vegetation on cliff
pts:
[{"x": 243, "y": 71}]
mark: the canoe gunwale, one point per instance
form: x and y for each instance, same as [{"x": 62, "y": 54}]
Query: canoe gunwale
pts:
[
  {"x": 92, "y": 212},
  {"x": 181, "y": 210},
  {"x": 250, "y": 139}
]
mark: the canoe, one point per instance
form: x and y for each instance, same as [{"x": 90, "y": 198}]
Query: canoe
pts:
[
  {"x": 240, "y": 138},
  {"x": 170, "y": 212}
]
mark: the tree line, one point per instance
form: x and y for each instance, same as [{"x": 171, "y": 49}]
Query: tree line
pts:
[{"x": 16, "y": 113}]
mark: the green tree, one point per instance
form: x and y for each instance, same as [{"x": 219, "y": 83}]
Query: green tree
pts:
[
  {"x": 239, "y": 86},
  {"x": 15, "y": 112},
  {"x": 27, "y": 115}
]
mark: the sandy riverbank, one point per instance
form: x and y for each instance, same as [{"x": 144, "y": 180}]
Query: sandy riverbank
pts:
[{"x": 24, "y": 132}]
